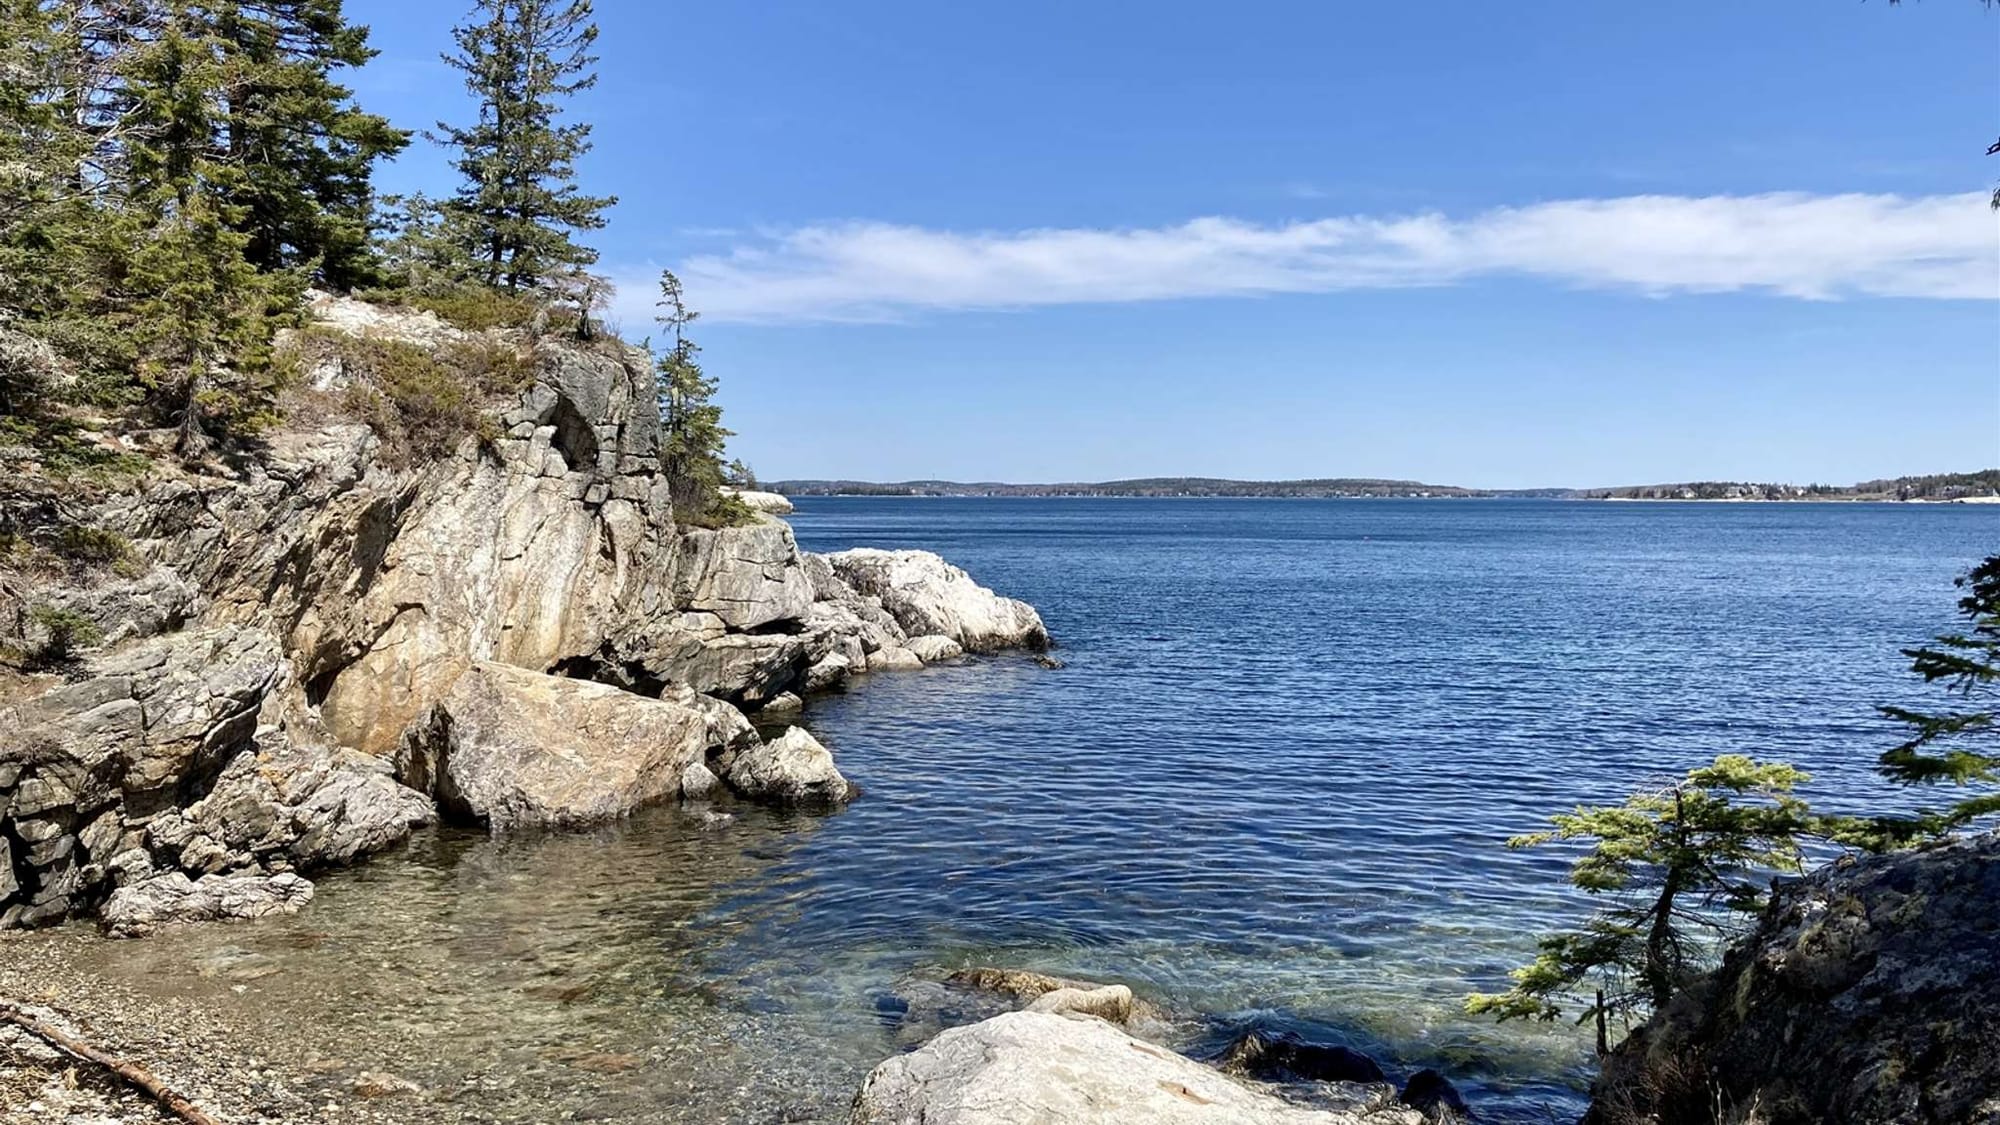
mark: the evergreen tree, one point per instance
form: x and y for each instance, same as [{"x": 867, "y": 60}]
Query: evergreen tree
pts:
[
  {"x": 691, "y": 432},
  {"x": 62, "y": 238},
  {"x": 304, "y": 196},
  {"x": 1679, "y": 862},
  {"x": 1960, "y": 745},
  {"x": 519, "y": 200},
  {"x": 203, "y": 316}
]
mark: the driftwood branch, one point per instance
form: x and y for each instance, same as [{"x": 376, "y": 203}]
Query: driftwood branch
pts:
[{"x": 133, "y": 1075}]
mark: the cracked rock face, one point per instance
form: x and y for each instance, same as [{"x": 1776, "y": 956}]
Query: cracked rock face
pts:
[
  {"x": 172, "y": 756},
  {"x": 1031, "y": 1068},
  {"x": 1869, "y": 993},
  {"x": 508, "y": 747}
]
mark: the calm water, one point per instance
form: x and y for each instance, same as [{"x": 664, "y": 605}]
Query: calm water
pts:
[{"x": 1273, "y": 779}]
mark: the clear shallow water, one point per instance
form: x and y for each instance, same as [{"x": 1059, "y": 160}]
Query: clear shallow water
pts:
[{"x": 1273, "y": 777}]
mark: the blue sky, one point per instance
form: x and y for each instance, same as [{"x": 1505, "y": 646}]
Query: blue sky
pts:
[{"x": 1548, "y": 243}]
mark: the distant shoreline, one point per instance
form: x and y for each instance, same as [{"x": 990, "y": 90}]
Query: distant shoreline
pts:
[
  {"x": 1968, "y": 500},
  {"x": 1982, "y": 487}
]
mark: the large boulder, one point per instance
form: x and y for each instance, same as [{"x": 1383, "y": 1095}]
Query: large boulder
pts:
[
  {"x": 1043, "y": 1068},
  {"x": 1869, "y": 993},
  {"x": 508, "y": 747},
  {"x": 928, "y": 595}
]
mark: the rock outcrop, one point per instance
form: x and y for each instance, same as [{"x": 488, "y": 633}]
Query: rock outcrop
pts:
[
  {"x": 1042, "y": 1068},
  {"x": 1869, "y": 993},
  {"x": 927, "y": 595},
  {"x": 282, "y": 636},
  {"x": 759, "y": 501},
  {"x": 175, "y": 756}
]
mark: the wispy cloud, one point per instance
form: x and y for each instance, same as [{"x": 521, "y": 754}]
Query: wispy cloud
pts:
[{"x": 1815, "y": 247}]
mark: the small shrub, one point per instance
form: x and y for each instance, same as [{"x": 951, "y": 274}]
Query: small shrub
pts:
[
  {"x": 94, "y": 546},
  {"x": 421, "y": 401},
  {"x": 724, "y": 509},
  {"x": 470, "y": 306},
  {"x": 66, "y": 631}
]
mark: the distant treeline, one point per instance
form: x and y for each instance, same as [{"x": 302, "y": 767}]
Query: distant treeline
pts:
[
  {"x": 1937, "y": 486},
  {"x": 1149, "y": 486}
]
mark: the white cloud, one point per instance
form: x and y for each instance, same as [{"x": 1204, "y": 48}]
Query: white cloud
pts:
[{"x": 1817, "y": 247}]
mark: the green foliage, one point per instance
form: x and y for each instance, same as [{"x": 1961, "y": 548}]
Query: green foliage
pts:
[
  {"x": 1960, "y": 744},
  {"x": 468, "y": 305},
  {"x": 1677, "y": 863},
  {"x": 421, "y": 402},
  {"x": 692, "y": 437},
  {"x": 63, "y": 632},
  {"x": 519, "y": 201},
  {"x": 172, "y": 174},
  {"x": 304, "y": 152}
]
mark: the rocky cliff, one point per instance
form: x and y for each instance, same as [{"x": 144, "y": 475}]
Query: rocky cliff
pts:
[
  {"x": 1868, "y": 994},
  {"x": 300, "y": 651}
]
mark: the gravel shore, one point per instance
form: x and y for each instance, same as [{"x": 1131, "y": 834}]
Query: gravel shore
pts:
[{"x": 235, "y": 1077}]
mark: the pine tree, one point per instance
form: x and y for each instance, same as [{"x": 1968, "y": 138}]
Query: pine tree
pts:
[
  {"x": 304, "y": 196},
  {"x": 1680, "y": 862},
  {"x": 204, "y": 315},
  {"x": 1961, "y": 745},
  {"x": 519, "y": 200},
  {"x": 62, "y": 239},
  {"x": 692, "y": 436}
]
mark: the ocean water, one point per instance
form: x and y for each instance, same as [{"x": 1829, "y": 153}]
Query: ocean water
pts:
[{"x": 1272, "y": 783}]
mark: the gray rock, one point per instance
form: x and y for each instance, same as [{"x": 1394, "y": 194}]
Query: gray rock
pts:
[
  {"x": 507, "y": 747},
  {"x": 698, "y": 782},
  {"x": 1111, "y": 1002},
  {"x": 926, "y": 595},
  {"x": 792, "y": 769},
  {"x": 894, "y": 658},
  {"x": 173, "y": 899},
  {"x": 932, "y": 648},
  {"x": 782, "y": 703},
  {"x": 1869, "y": 993},
  {"x": 748, "y": 576},
  {"x": 829, "y": 673},
  {"x": 1041, "y": 1068}
]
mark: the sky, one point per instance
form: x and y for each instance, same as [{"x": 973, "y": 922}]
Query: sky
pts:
[{"x": 1558, "y": 243}]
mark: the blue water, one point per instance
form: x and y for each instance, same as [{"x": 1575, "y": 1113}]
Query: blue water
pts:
[
  {"x": 1292, "y": 735},
  {"x": 1272, "y": 782}
]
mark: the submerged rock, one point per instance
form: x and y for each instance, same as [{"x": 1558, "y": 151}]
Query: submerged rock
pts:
[
  {"x": 1868, "y": 994},
  {"x": 792, "y": 769},
  {"x": 1433, "y": 1095},
  {"x": 1281, "y": 1056},
  {"x": 1039, "y": 1068},
  {"x": 507, "y": 747}
]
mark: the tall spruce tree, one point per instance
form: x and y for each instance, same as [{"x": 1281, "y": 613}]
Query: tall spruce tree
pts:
[
  {"x": 519, "y": 201},
  {"x": 691, "y": 433},
  {"x": 304, "y": 196},
  {"x": 202, "y": 315}
]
